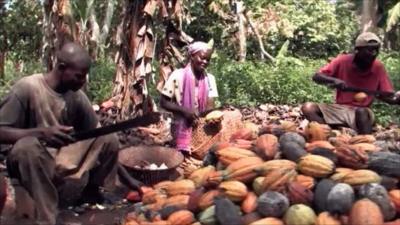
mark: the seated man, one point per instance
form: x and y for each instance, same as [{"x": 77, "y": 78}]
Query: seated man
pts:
[
  {"x": 358, "y": 70},
  {"x": 36, "y": 118}
]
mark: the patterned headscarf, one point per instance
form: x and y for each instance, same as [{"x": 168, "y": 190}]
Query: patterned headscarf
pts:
[{"x": 197, "y": 47}]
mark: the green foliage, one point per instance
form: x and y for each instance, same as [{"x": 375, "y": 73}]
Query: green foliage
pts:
[
  {"x": 253, "y": 83},
  {"x": 20, "y": 30},
  {"x": 315, "y": 28},
  {"x": 385, "y": 113},
  {"x": 101, "y": 78},
  {"x": 14, "y": 71}
]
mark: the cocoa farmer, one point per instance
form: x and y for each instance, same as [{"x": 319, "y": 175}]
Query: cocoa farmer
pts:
[
  {"x": 37, "y": 118},
  {"x": 188, "y": 92},
  {"x": 358, "y": 70}
]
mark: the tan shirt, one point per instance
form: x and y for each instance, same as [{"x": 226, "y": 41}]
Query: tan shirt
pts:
[{"x": 32, "y": 103}]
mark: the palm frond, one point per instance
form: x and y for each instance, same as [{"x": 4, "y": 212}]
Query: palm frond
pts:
[{"x": 394, "y": 17}]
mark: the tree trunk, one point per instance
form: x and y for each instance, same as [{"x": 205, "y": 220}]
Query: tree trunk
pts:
[
  {"x": 239, "y": 7},
  {"x": 130, "y": 91},
  {"x": 369, "y": 15},
  {"x": 58, "y": 28},
  {"x": 105, "y": 30},
  {"x": 3, "y": 46},
  {"x": 391, "y": 39},
  {"x": 2, "y": 62},
  {"x": 93, "y": 40},
  {"x": 136, "y": 53}
]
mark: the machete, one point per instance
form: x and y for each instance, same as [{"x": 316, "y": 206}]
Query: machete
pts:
[{"x": 147, "y": 119}]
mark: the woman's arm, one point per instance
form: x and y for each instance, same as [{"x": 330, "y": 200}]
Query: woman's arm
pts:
[{"x": 173, "y": 107}]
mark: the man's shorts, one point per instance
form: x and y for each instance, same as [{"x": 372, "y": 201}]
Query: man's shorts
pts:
[{"x": 335, "y": 114}]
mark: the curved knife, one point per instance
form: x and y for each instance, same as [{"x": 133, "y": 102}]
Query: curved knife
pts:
[{"x": 145, "y": 120}]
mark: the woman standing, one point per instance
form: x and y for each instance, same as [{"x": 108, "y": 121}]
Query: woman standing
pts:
[{"x": 188, "y": 92}]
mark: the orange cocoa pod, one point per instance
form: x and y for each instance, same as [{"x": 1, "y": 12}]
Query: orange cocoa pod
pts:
[
  {"x": 325, "y": 218},
  {"x": 236, "y": 191},
  {"x": 181, "y": 217},
  {"x": 340, "y": 172},
  {"x": 215, "y": 178},
  {"x": 243, "y": 144},
  {"x": 351, "y": 157},
  {"x": 360, "y": 96},
  {"x": 269, "y": 221},
  {"x": 243, "y": 133},
  {"x": 319, "y": 144},
  {"x": 243, "y": 169},
  {"x": 200, "y": 176},
  {"x": 207, "y": 199},
  {"x": 277, "y": 180},
  {"x": 180, "y": 187},
  {"x": 395, "y": 198},
  {"x": 229, "y": 155},
  {"x": 306, "y": 181},
  {"x": 151, "y": 196},
  {"x": 365, "y": 212},
  {"x": 249, "y": 204},
  {"x": 317, "y": 132},
  {"x": 270, "y": 165},
  {"x": 365, "y": 138},
  {"x": 267, "y": 146}
]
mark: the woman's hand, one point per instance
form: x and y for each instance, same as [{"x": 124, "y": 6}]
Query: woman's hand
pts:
[{"x": 190, "y": 115}]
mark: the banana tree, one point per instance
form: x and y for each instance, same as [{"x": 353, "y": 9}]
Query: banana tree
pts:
[
  {"x": 74, "y": 20},
  {"x": 392, "y": 27},
  {"x": 59, "y": 27},
  {"x": 2, "y": 50},
  {"x": 137, "y": 49}
]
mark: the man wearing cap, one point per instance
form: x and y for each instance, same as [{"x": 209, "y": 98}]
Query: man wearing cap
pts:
[
  {"x": 360, "y": 70},
  {"x": 188, "y": 92}
]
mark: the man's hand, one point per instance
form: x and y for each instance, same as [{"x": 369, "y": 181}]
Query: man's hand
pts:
[
  {"x": 56, "y": 136},
  {"x": 338, "y": 84}
]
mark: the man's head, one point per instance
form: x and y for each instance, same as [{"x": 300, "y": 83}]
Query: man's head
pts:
[
  {"x": 367, "y": 47},
  {"x": 73, "y": 64},
  {"x": 200, "y": 55}
]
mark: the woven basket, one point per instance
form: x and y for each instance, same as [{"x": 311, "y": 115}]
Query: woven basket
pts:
[
  {"x": 135, "y": 156},
  {"x": 204, "y": 136}
]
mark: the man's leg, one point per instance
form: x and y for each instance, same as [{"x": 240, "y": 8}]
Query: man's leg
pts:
[
  {"x": 34, "y": 167},
  {"x": 105, "y": 172},
  {"x": 363, "y": 121},
  {"x": 312, "y": 112}
]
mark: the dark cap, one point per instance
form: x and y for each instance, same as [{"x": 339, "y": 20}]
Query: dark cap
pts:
[{"x": 367, "y": 39}]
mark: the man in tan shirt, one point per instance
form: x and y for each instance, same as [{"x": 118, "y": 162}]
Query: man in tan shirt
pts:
[{"x": 37, "y": 118}]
